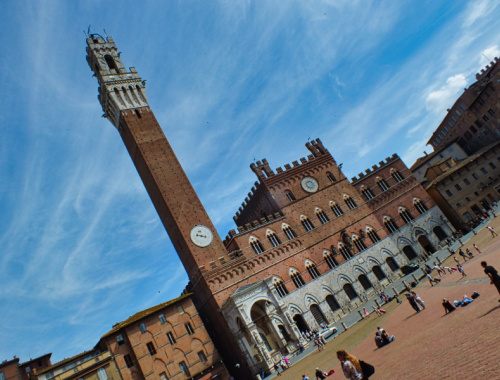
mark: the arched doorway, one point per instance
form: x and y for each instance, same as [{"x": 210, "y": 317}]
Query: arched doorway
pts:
[
  {"x": 301, "y": 323},
  {"x": 378, "y": 272},
  {"x": 409, "y": 252},
  {"x": 426, "y": 245},
  {"x": 285, "y": 333},
  {"x": 440, "y": 234},
  {"x": 318, "y": 314},
  {"x": 392, "y": 263},
  {"x": 349, "y": 290},
  {"x": 365, "y": 283},
  {"x": 332, "y": 302},
  {"x": 264, "y": 327}
]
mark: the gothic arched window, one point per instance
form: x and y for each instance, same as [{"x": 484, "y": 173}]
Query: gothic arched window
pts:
[
  {"x": 382, "y": 184},
  {"x": 330, "y": 177},
  {"x": 311, "y": 268},
  {"x": 349, "y": 202},
  {"x": 405, "y": 214},
  {"x": 289, "y": 233},
  {"x": 306, "y": 222},
  {"x": 367, "y": 192},
  {"x": 345, "y": 251},
  {"x": 419, "y": 205},
  {"x": 330, "y": 259},
  {"x": 372, "y": 234},
  {"x": 273, "y": 238},
  {"x": 390, "y": 224},
  {"x": 296, "y": 278},
  {"x": 289, "y": 195},
  {"x": 256, "y": 245},
  {"x": 280, "y": 287},
  {"x": 323, "y": 218},
  {"x": 358, "y": 243},
  {"x": 396, "y": 175},
  {"x": 337, "y": 211}
]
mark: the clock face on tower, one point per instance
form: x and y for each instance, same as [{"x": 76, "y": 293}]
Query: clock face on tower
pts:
[
  {"x": 309, "y": 184},
  {"x": 201, "y": 236}
]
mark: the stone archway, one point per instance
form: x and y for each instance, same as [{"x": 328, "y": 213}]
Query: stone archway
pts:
[
  {"x": 332, "y": 302},
  {"x": 409, "y": 252},
  {"x": 426, "y": 244},
  {"x": 440, "y": 234},
  {"x": 365, "y": 282},
  {"x": 378, "y": 272},
  {"x": 318, "y": 314},
  {"x": 392, "y": 263},
  {"x": 301, "y": 323},
  {"x": 349, "y": 290}
]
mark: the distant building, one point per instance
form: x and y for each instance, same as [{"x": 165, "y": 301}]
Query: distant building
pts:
[
  {"x": 167, "y": 341},
  {"x": 474, "y": 119},
  {"x": 466, "y": 189},
  {"x": 13, "y": 370},
  {"x": 89, "y": 365}
]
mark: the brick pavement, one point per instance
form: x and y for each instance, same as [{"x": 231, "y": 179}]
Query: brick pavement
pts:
[{"x": 430, "y": 345}]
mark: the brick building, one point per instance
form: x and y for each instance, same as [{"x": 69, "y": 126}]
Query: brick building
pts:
[
  {"x": 167, "y": 341},
  {"x": 14, "y": 370},
  {"x": 309, "y": 244}
]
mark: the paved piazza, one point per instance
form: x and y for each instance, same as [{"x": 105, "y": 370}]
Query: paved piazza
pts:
[{"x": 430, "y": 344}]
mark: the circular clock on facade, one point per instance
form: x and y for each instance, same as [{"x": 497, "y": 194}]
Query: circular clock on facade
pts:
[
  {"x": 201, "y": 236},
  {"x": 309, "y": 184}
]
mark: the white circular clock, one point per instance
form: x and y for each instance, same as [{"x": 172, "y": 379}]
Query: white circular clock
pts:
[
  {"x": 309, "y": 184},
  {"x": 201, "y": 236}
]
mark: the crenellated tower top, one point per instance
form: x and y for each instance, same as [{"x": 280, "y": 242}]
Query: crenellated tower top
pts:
[{"x": 119, "y": 89}]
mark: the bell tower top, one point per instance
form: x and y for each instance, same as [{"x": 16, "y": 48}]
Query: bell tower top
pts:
[{"x": 119, "y": 89}]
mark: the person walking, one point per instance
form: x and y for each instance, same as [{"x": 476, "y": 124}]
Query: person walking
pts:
[
  {"x": 350, "y": 365},
  {"x": 492, "y": 231},
  {"x": 462, "y": 253},
  {"x": 433, "y": 280},
  {"x": 476, "y": 248},
  {"x": 461, "y": 270},
  {"x": 418, "y": 300},
  {"x": 492, "y": 273},
  {"x": 412, "y": 302}
]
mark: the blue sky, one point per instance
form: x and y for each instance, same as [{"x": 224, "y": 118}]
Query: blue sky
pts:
[{"x": 230, "y": 82}]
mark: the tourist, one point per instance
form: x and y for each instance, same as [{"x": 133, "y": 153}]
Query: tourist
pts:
[
  {"x": 448, "y": 307},
  {"x": 476, "y": 248},
  {"x": 492, "y": 231},
  {"x": 412, "y": 302},
  {"x": 439, "y": 269},
  {"x": 461, "y": 270},
  {"x": 456, "y": 260},
  {"x": 418, "y": 299},
  {"x": 350, "y": 365},
  {"x": 469, "y": 252},
  {"x": 304, "y": 377},
  {"x": 492, "y": 274},
  {"x": 386, "y": 339},
  {"x": 462, "y": 253},
  {"x": 365, "y": 312},
  {"x": 320, "y": 375},
  {"x": 433, "y": 280},
  {"x": 376, "y": 309}
]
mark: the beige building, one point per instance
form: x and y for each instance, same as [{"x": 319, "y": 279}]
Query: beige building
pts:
[
  {"x": 465, "y": 189},
  {"x": 89, "y": 365}
]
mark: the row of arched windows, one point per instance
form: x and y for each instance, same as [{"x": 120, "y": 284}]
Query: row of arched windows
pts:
[
  {"x": 298, "y": 281},
  {"x": 308, "y": 226}
]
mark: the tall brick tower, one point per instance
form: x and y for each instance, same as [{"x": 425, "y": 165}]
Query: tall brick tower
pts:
[{"x": 123, "y": 98}]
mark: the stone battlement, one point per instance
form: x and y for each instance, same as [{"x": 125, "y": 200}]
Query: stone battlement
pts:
[
  {"x": 254, "y": 224},
  {"x": 486, "y": 69},
  {"x": 375, "y": 168}
]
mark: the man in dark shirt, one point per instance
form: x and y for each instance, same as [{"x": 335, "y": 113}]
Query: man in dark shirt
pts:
[{"x": 492, "y": 274}]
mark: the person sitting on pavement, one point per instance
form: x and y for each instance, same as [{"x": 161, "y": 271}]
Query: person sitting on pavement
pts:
[{"x": 448, "y": 307}]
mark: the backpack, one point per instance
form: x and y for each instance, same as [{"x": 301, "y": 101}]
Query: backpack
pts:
[{"x": 367, "y": 369}]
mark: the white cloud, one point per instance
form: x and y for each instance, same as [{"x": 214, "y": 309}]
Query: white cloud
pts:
[{"x": 441, "y": 99}]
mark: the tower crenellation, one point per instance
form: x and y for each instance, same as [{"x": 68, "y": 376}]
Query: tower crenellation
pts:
[{"x": 381, "y": 165}]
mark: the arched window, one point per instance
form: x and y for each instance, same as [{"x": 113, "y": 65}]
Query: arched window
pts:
[
  {"x": 273, "y": 238},
  {"x": 365, "y": 283},
  {"x": 349, "y": 202},
  {"x": 306, "y": 222},
  {"x": 358, "y": 243},
  {"x": 332, "y": 302},
  {"x": 440, "y": 234},
  {"x": 323, "y": 218},
  {"x": 378, "y": 272},
  {"x": 345, "y": 251},
  {"x": 396, "y": 175},
  {"x": 372, "y": 234},
  {"x": 113, "y": 68},
  {"x": 318, "y": 314},
  {"x": 289, "y": 195},
  {"x": 289, "y": 233},
  {"x": 330, "y": 259},
  {"x": 337, "y": 211},
  {"x": 367, "y": 192},
  {"x": 392, "y": 263},
  {"x": 296, "y": 278},
  {"x": 409, "y": 252},
  {"x": 405, "y": 214},
  {"x": 349, "y": 290},
  {"x": 419, "y": 205},
  {"x": 311, "y": 268},
  {"x": 382, "y": 184},
  {"x": 256, "y": 246},
  {"x": 280, "y": 287},
  {"x": 330, "y": 177},
  {"x": 390, "y": 224}
]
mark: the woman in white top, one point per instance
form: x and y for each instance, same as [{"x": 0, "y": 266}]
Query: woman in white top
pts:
[{"x": 350, "y": 365}]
